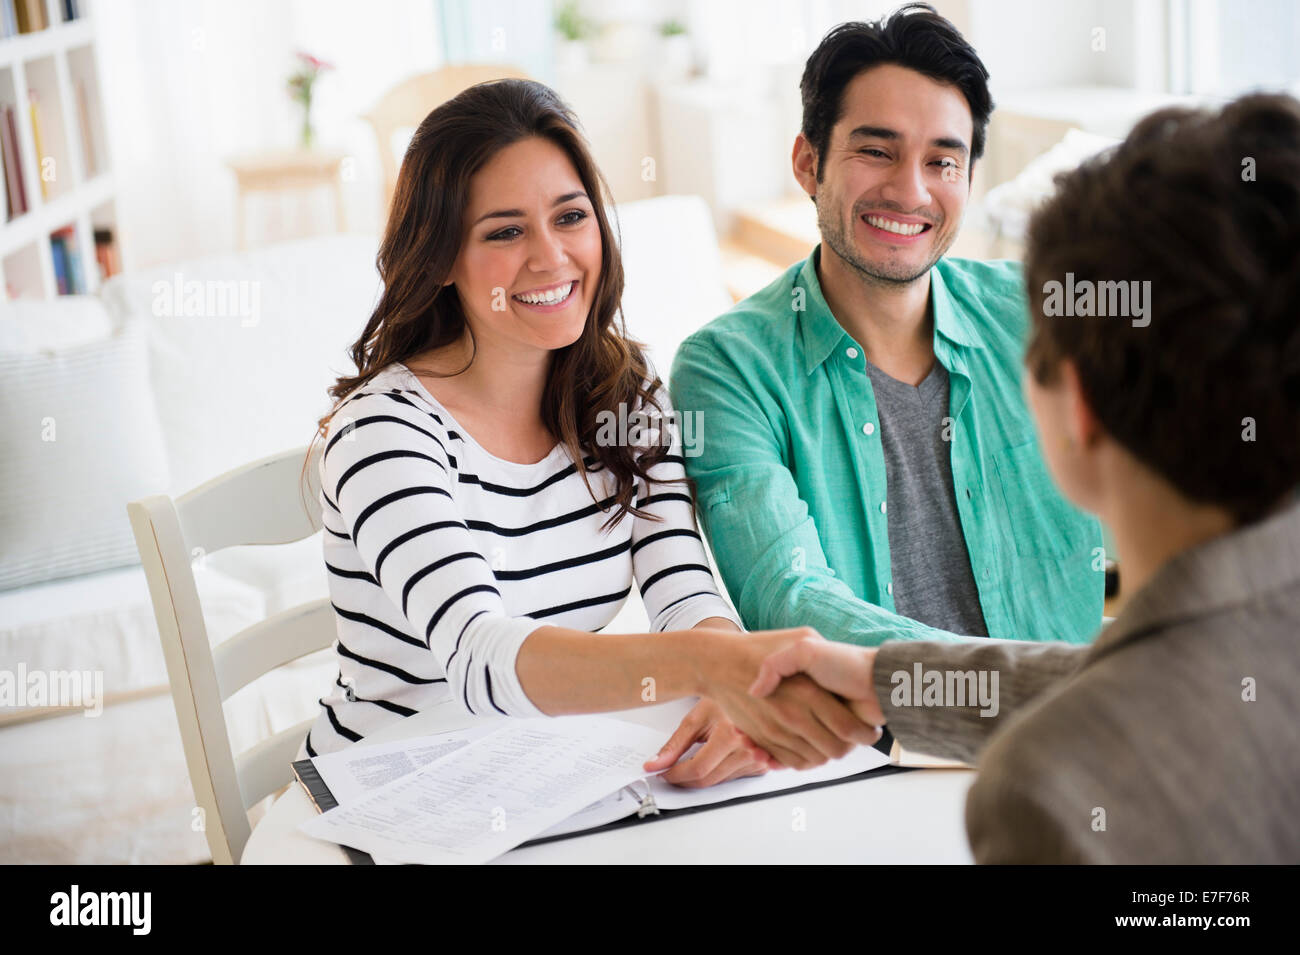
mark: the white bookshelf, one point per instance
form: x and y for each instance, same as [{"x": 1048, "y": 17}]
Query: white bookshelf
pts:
[{"x": 59, "y": 64}]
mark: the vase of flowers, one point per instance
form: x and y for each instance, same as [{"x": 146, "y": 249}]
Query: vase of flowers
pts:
[{"x": 301, "y": 84}]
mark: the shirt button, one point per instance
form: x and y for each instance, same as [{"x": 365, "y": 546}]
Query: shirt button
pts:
[
  {"x": 889, "y": 588},
  {"x": 868, "y": 428},
  {"x": 851, "y": 352},
  {"x": 883, "y": 507},
  {"x": 986, "y": 573}
]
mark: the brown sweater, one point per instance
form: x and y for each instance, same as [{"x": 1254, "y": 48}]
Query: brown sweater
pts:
[{"x": 1174, "y": 738}]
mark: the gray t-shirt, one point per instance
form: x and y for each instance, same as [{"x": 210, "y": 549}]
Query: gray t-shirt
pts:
[{"x": 931, "y": 575}]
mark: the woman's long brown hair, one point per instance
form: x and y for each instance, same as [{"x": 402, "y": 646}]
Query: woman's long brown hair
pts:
[{"x": 600, "y": 372}]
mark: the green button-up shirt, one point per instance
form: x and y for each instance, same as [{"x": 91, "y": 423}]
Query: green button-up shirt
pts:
[{"x": 790, "y": 475}]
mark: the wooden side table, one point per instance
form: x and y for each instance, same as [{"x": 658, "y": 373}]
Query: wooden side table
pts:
[{"x": 285, "y": 170}]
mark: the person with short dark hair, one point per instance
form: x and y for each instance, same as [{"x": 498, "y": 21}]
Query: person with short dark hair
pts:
[
  {"x": 869, "y": 467},
  {"x": 1175, "y": 737}
]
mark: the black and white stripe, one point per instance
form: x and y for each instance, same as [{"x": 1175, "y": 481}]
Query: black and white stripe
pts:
[{"x": 442, "y": 559}]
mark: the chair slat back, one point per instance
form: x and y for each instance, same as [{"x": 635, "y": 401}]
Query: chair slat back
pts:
[
  {"x": 277, "y": 640},
  {"x": 407, "y": 104},
  {"x": 265, "y": 502}
]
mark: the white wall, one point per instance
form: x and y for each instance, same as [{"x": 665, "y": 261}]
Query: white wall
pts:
[
  {"x": 187, "y": 83},
  {"x": 1028, "y": 44},
  {"x": 1137, "y": 34}
]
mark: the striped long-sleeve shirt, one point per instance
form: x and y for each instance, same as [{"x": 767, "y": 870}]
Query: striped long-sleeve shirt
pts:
[{"x": 443, "y": 558}]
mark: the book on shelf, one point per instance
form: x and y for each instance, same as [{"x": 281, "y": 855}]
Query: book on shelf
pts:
[
  {"x": 88, "y": 144},
  {"x": 4, "y": 172},
  {"x": 30, "y": 15},
  {"x": 74, "y": 259},
  {"x": 8, "y": 18},
  {"x": 67, "y": 262},
  {"x": 106, "y": 254},
  {"x": 14, "y": 187},
  {"x": 40, "y": 149},
  {"x": 59, "y": 257}
]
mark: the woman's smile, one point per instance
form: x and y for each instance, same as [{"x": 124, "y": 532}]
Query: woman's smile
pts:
[{"x": 549, "y": 298}]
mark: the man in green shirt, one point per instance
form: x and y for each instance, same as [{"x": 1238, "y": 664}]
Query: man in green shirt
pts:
[{"x": 868, "y": 466}]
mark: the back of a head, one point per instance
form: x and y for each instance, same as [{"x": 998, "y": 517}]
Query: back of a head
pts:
[{"x": 1194, "y": 221}]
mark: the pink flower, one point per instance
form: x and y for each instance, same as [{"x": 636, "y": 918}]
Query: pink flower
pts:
[{"x": 315, "y": 64}]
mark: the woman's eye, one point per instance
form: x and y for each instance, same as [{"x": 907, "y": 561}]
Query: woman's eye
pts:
[
  {"x": 509, "y": 233},
  {"x": 573, "y": 217}
]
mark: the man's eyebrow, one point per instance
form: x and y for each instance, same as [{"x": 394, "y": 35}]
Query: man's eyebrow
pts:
[
  {"x": 884, "y": 132},
  {"x": 519, "y": 213},
  {"x": 950, "y": 142},
  {"x": 875, "y": 132}
]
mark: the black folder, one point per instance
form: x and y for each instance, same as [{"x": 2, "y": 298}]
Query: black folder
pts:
[{"x": 324, "y": 799}]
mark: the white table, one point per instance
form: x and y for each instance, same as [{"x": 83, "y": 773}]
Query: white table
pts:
[{"x": 911, "y": 817}]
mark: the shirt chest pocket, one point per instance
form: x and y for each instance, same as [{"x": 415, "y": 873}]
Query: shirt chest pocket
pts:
[
  {"x": 716, "y": 499},
  {"x": 1038, "y": 521}
]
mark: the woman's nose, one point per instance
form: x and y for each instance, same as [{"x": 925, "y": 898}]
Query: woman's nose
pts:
[{"x": 546, "y": 251}]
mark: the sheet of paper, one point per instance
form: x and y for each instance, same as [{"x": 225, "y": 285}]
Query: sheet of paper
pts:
[
  {"x": 479, "y": 801},
  {"x": 602, "y": 812},
  {"x": 911, "y": 759},
  {"x": 665, "y": 717},
  {"x": 861, "y": 759},
  {"x": 356, "y": 770}
]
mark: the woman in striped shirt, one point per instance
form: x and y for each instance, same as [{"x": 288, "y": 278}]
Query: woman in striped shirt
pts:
[{"x": 483, "y": 518}]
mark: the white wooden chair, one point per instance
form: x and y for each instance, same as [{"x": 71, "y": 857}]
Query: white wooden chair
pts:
[
  {"x": 259, "y": 503},
  {"x": 407, "y": 104}
]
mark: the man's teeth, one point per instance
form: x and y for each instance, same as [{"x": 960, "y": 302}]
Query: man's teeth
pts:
[
  {"x": 889, "y": 225},
  {"x": 550, "y": 297}
]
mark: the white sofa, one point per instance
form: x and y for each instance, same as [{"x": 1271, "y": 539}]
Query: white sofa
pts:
[{"x": 149, "y": 399}]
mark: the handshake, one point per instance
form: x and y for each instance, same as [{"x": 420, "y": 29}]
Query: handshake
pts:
[{"x": 772, "y": 699}]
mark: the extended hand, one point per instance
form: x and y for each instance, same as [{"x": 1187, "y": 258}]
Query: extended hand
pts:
[
  {"x": 727, "y": 753},
  {"x": 844, "y": 670},
  {"x": 800, "y": 724}
]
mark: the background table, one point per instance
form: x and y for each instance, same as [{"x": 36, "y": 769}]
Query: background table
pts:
[
  {"x": 287, "y": 170},
  {"x": 909, "y": 817}
]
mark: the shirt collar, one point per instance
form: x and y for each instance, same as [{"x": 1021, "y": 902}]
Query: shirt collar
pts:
[
  {"x": 952, "y": 317},
  {"x": 821, "y": 332},
  {"x": 1234, "y": 568}
]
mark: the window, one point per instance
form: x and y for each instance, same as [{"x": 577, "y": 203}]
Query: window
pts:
[{"x": 1221, "y": 49}]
